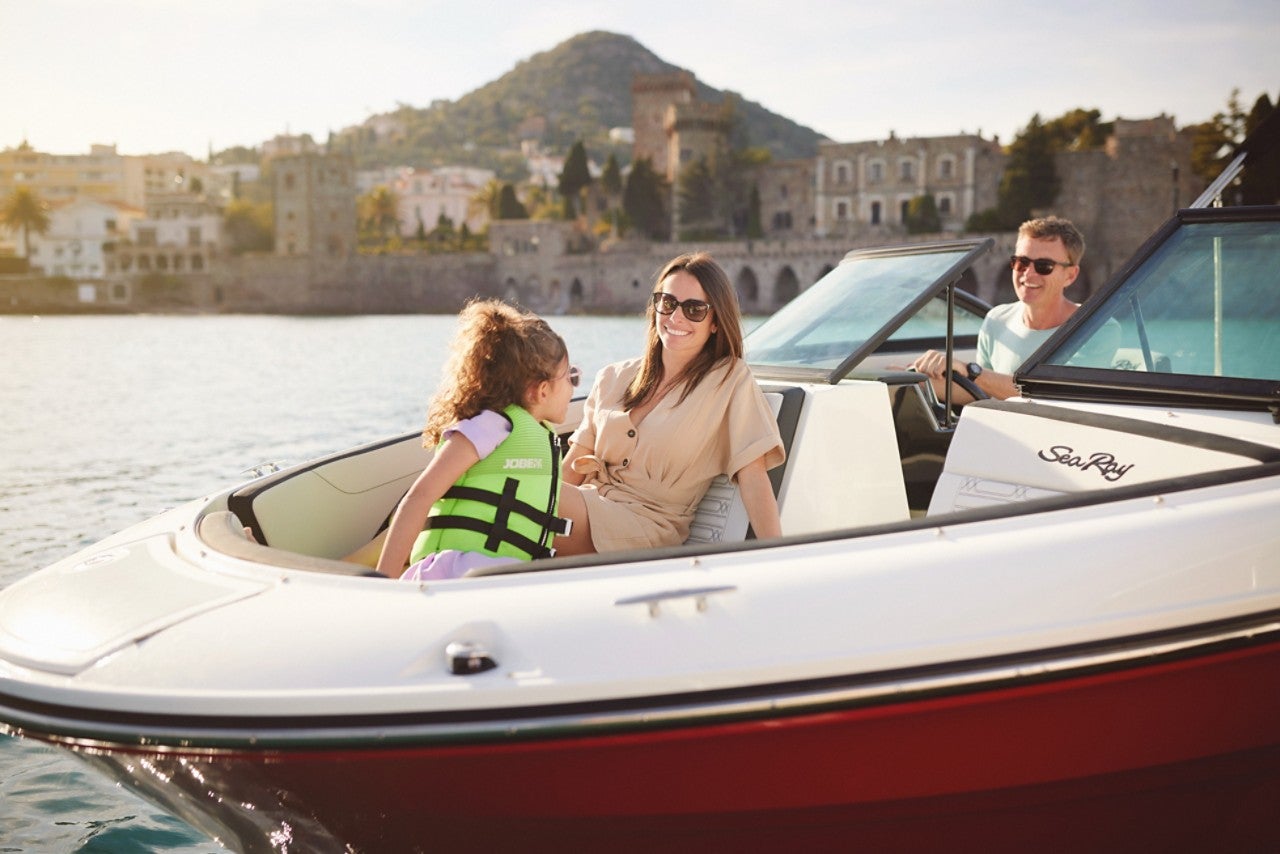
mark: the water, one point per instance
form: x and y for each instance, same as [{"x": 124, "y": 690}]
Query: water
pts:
[{"x": 106, "y": 421}]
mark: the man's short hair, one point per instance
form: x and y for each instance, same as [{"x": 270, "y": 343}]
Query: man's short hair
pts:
[{"x": 1049, "y": 227}]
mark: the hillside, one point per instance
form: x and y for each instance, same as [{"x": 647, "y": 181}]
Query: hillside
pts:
[{"x": 577, "y": 90}]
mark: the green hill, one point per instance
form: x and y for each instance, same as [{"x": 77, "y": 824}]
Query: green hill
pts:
[{"x": 577, "y": 90}]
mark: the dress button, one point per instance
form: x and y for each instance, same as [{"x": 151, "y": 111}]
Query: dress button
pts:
[{"x": 631, "y": 434}]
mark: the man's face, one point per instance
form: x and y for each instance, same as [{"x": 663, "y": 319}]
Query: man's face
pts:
[{"x": 1036, "y": 289}]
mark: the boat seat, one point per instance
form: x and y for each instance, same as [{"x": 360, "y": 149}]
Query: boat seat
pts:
[
  {"x": 334, "y": 505},
  {"x": 721, "y": 517}
]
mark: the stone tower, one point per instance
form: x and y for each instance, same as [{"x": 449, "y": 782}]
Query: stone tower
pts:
[
  {"x": 651, "y": 96},
  {"x": 314, "y": 196}
]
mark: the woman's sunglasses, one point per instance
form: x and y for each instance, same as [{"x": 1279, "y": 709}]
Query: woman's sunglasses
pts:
[
  {"x": 574, "y": 375},
  {"x": 694, "y": 309},
  {"x": 1044, "y": 266}
]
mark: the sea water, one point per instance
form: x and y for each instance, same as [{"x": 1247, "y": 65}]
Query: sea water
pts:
[{"x": 106, "y": 421}]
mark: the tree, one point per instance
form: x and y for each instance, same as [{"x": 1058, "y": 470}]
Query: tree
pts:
[
  {"x": 643, "y": 200},
  {"x": 486, "y": 199},
  {"x": 1078, "y": 130},
  {"x": 26, "y": 212},
  {"x": 611, "y": 180},
  {"x": 575, "y": 177},
  {"x": 1260, "y": 181},
  {"x": 922, "y": 215},
  {"x": 755, "y": 225},
  {"x": 1213, "y": 143},
  {"x": 380, "y": 212},
  {"x": 1030, "y": 179},
  {"x": 509, "y": 206},
  {"x": 698, "y": 199},
  {"x": 250, "y": 226}
]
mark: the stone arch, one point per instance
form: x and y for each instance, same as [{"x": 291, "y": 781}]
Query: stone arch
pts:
[
  {"x": 785, "y": 287},
  {"x": 577, "y": 294},
  {"x": 747, "y": 287}
]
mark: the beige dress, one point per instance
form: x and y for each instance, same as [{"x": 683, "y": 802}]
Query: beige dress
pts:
[{"x": 642, "y": 484}]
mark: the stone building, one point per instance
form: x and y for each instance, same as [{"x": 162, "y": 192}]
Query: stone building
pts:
[
  {"x": 651, "y": 96},
  {"x": 314, "y": 197},
  {"x": 181, "y": 233},
  {"x": 787, "y": 200},
  {"x": 865, "y": 187},
  {"x": 1120, "y": 194}
]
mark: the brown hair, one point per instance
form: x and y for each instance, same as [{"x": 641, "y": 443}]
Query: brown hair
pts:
[
  {"x": 497, "y": 354},
  {"x": 1050, "y": 227},
  {"x": 724, "y": 343}
]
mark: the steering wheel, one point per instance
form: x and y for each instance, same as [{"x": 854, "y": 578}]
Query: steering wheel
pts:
[{"x": 968, "y": 385}]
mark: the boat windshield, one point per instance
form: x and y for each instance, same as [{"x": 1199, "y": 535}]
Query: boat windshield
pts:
[
  {"x": 888, "y": 299},
  {"x": 1199, "y": 315}
]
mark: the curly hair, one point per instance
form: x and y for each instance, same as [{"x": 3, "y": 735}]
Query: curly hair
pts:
[
  {"x": 498, "y": 352},
  {"x": 726, "y": 343}
]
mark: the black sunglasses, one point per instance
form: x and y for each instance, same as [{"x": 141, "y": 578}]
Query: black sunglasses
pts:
[
  {"x": 1044, "y": 266},
  {"x": 694, "y": 309}
]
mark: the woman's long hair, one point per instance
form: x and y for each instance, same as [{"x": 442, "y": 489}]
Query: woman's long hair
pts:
[
  {"x": 724, "y": 343},
  {"x": 496, "y": 355}
]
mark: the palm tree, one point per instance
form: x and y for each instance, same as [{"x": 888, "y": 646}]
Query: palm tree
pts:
[
  {"x": 381, "y": 210},
  {"x": 486, "y": 199},
  {"x": 26, "y": 211}
]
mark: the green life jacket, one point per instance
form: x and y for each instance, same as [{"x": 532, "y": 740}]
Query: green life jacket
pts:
[{"x": 505, "y": 504}]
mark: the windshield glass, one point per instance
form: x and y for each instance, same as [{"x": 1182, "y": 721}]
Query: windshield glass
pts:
[
  {"x": 1206, "y": 304},
  {"x": 865, "y": 299}
]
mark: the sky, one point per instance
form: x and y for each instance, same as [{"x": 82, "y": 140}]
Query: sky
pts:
[{"x": 152, "y": 76}]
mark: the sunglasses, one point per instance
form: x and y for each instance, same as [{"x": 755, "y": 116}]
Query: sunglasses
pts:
[
  {"x": 694, "y": 309},
  {"x": 1044, "y": 266},
  {"x": 574, "y": 375}
]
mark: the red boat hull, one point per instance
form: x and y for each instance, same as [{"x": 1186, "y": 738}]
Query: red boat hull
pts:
[{"x": 1183, "y": 755}]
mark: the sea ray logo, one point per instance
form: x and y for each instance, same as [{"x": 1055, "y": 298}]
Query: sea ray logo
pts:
[
  {"x": 522, "y": 463},
  {"x": 1102, "y": 462}
]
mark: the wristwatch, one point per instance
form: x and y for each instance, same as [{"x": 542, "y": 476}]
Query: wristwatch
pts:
[{"x": 973, "y": 369}]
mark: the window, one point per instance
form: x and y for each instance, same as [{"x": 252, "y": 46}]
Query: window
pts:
[
  {"x": 146, "y": 237},
  {"x": 875, "y": 172},
  {"x": 904, "y": 210},
  {"x": 947, "y": 168},
  {"x": 907, "y": 169},
  {"x": 842, "y": 211},
  {"x": 875, "y": 213},
  {"x": 193, "y": 235},
  {"x": 842, "y": 174},
  {"x": 944, "y": 205}
]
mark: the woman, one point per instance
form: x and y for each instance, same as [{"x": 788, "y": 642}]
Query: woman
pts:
[{"x": 658, "y": 429}]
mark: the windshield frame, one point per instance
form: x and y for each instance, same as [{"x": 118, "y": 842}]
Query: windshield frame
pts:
[{"x": 970, "y": 249}]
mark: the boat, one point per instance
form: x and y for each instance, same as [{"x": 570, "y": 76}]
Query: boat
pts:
[{"x": 1049, "y": 620}]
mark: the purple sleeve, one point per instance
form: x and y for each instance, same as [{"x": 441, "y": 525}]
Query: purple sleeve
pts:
[{"x": 485, "y": 431}]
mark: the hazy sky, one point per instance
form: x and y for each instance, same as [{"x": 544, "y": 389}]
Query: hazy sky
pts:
[{"x": 163, "y": 75}]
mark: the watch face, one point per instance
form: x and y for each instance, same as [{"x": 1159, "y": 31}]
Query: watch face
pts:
[{"x": 973, "y": 369}]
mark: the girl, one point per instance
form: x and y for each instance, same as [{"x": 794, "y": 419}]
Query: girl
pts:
[{"x": 490, "y": 493}]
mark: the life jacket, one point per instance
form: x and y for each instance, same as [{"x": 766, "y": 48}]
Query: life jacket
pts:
[{"x": 505, "y": 504}]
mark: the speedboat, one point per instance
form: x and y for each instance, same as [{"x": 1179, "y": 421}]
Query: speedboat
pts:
[{"x": 1053, "y": 619}]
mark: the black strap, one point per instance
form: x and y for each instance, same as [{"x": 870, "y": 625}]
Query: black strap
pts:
[
  {"x": 466, "y": 523},
  {"x": 485, "y": 496}
]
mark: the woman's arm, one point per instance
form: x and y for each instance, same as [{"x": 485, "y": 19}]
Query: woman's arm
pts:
[
  {"x": 567, "y": 474},
  {"x": 757, "y": 497},
  {"x": 451, "y": 460}
]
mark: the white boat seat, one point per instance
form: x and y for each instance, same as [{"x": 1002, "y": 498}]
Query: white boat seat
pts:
[{"x": 721, "y": 516}]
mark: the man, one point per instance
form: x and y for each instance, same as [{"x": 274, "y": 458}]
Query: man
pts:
[{"x": 1045, "y": 262}]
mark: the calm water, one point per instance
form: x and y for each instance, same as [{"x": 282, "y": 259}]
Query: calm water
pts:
[{"x": 106, "y": 421}]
